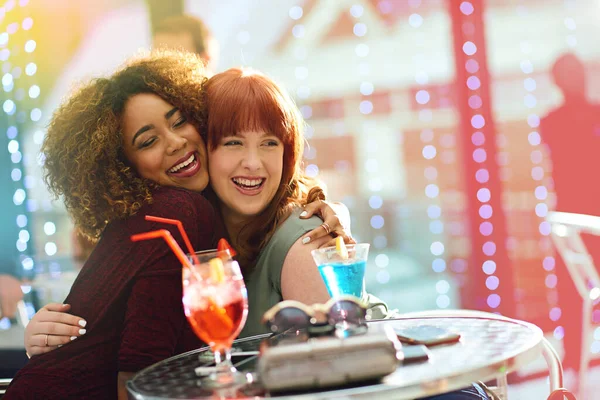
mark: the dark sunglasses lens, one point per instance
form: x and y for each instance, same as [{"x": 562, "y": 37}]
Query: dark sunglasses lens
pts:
[
  {"x": 287, "y": 318},
  {"x": 346, "y": 311}
]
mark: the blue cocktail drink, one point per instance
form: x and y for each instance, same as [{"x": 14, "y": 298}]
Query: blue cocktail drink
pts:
[
  {"x": 344, "y": 278},
  {"x": 343, "y": 272}
]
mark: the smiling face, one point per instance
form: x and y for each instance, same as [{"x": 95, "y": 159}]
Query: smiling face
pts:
[
  {"x": 162, "y": 145},
  {"x": 245, "y": 173}
]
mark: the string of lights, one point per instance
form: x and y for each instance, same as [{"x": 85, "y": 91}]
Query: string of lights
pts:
[
  {"x": 20, "y": 94},
  {"x": 303, "y": 92},
  {"x": 366, "y": 108},
  {"x": 21, "y": 110},
  {"x": 489, "y": 258},
  {"x": 538, "y": 174},
  {"x": 432, "y": 154}
]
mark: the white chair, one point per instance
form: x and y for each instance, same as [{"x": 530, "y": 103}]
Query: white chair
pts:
[
  {"x": 566, "y": 230},
  {"x": 22, "y": 314},
  {"x": 3, "y": 385}
]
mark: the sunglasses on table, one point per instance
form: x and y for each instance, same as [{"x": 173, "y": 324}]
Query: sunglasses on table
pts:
[{"x": 345, "y": 311}]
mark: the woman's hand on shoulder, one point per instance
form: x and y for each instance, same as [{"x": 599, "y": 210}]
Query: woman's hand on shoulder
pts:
[
  {"x": 336, "y": 222},
  {"x": 52, "y": 327}
]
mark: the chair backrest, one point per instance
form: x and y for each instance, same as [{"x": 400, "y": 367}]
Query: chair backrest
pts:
[
  {"x": 566, "y": 235},
  {"x": 22, "y": 314},
  {"x": 3, "y": 386}
]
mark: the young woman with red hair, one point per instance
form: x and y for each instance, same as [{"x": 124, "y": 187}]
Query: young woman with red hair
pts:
[{"x": 255, "y": 140}]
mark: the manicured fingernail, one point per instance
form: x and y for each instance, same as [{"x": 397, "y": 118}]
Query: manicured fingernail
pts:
[
  {"x": 306, "y": 240},
  {"x": 73, "y": 338},
  {"x": 82, "y": 323},
  {"x": 82, "y": 331},
  {"x": 304, "y": 213}
]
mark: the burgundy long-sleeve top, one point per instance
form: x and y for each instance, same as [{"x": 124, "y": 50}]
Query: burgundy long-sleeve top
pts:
[{"x": 130, "y": 295}]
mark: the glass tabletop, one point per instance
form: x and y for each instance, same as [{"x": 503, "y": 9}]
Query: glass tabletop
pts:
[{"x": 488, "y": 348}]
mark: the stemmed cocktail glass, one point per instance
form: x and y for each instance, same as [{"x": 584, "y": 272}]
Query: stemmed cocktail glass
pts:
[
  {"x": 216, "y": 306},
  {"x": 215, "y": 300}
]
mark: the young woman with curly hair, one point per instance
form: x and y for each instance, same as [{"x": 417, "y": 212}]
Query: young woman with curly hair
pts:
[{"x": 118, "y": 149}]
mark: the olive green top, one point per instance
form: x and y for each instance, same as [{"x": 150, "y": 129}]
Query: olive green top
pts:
[{"x": 264, "y": 281}]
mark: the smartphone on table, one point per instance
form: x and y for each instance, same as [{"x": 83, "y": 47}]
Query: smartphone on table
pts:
[{"x": 426, "y": 335}]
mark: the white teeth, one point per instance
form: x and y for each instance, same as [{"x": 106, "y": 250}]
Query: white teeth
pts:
[
  {"x": 183, "y": 164},
  {"x": 248, "y": 182}
]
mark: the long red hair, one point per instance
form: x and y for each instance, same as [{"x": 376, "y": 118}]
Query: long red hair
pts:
[{"x": 241, "y": 100}]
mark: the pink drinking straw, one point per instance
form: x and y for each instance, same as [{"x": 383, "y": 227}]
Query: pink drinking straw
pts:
[
  {"x": 165, "y": 234},
  {"x": 184, "y": 235}
]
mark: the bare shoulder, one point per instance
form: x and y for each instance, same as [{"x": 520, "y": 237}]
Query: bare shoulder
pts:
[{"x": 300, "y": 277}]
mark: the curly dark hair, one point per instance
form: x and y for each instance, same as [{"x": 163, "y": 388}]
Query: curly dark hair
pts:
[{"x": 84, "y": 159}]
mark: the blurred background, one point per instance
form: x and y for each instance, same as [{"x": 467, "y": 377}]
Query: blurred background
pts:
[{"x": 424, "y": 119}]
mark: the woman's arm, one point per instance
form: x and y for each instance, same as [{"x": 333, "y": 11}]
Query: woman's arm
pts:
[{"x": 300, "y": 277}]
